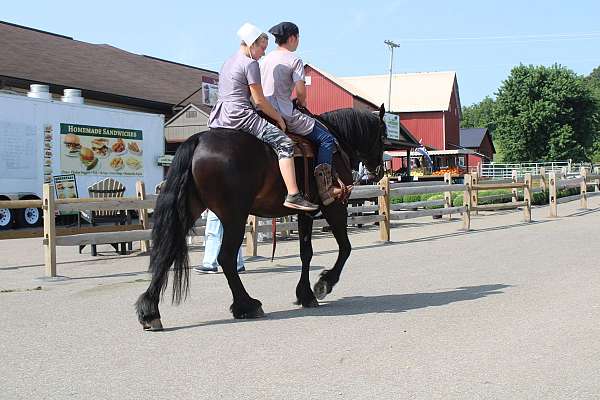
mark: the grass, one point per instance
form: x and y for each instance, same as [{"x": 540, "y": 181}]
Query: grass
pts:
[{"x": 457, "y": 197}]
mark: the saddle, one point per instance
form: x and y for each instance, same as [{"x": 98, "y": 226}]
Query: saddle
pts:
[{"x": 307, "y": 150}]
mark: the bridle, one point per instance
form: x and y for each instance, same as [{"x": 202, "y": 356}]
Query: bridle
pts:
[{"x": 375, "y": 150}]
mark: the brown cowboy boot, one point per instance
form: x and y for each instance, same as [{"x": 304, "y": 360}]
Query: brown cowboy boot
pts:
[{"x": 325, "y": 183}]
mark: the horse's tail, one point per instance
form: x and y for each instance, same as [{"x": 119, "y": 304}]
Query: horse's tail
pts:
[{"x": 173, "y": 219}]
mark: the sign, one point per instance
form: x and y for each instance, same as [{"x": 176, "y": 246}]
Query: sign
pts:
[
  {"x": 98, "y": 150},
  {"x": 165, "y": 160},
  {"x": 18, "y": 155},
  {"x": 392, "y": 121},
  {"x": 65, "y": 186},
  {"x": 210, "y": 90},
  {"x": 48, "y": 138}
]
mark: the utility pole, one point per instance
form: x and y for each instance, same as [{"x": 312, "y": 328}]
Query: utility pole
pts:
[{"x": 392, "y": 46}]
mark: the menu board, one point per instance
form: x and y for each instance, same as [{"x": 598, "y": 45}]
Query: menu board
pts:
[
  {"x": 18, "y": 157},
  {"x": 65, "y": 186},
  {"x": 97, "y": 150},
  {"x": 47, "y": 153}
]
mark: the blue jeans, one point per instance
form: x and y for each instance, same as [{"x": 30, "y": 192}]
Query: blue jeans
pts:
[
  {"x": 212, "y": 245},
  {"x": 325, "y": 141}
]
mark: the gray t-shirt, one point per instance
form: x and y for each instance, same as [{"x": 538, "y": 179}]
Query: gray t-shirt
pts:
[
  {"x": 234, "y": 109},
  {"x": 280, "y": 70}
]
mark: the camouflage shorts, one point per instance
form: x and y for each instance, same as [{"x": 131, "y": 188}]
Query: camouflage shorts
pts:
[{"x": 279, "y": 141}]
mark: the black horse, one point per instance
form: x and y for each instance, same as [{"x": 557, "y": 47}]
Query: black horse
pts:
[{"x": 235, "y": 175}]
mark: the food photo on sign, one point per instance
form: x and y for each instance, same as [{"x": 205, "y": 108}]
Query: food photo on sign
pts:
[{"x": 94, "y": 150}]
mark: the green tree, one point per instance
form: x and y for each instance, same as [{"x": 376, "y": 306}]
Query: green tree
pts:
[
  {"x": 544, "y": 113},
  {"x": 479, "y": 115},
  {"x": 593, "y": 82}
]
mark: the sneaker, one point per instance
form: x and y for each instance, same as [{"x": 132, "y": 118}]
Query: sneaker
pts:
[
  {"x": 241, "y": 270},
  {"x": 297, "y": 202},
  {"x": 206, "y": 270}
]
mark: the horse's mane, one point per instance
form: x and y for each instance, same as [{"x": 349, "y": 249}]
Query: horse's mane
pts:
[{"x": 355, "y": 128}]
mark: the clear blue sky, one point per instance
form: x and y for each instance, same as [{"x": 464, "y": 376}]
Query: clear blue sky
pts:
[{"x": 480, "y": 40}]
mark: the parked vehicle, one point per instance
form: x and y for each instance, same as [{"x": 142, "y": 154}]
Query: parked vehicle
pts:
[{"x": 42, "y": 138}]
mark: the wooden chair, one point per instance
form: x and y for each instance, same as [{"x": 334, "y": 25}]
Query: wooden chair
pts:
[{"x": 108, "y": 187}]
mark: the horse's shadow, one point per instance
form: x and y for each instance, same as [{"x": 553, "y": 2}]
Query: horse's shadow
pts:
[{"x": 357, "y": 305}]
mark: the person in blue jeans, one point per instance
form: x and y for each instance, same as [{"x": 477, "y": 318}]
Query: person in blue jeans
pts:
[
  {"x": 282, "y": 73},
  {"x": 213, "y": 237}
]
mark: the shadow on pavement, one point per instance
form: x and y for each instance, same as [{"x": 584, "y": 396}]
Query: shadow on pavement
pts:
[{"x": 386, "y": 304}]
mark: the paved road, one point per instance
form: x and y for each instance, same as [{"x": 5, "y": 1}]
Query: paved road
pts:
[{"x": 507, "y": 311}]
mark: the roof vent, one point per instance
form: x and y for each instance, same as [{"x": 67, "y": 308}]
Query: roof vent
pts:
[
  {"x": 39, "y": 92},
  {"x": 72, "y": 96}
]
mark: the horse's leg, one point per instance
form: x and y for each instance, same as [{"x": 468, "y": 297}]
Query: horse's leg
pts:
[
  {"x": 337, "y": 216},
  {"x": 304, "y": 294},
  {"x": 243, "y": 305},
  {"x": 147, "y": 304}
]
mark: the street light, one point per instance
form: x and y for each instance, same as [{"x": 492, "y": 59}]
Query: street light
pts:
[{"x": 392, "y": 46}]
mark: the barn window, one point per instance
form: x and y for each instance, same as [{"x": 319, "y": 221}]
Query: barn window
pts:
[
  {"x": 461, "y": 161},
  {"x": 191, "y": 114}
]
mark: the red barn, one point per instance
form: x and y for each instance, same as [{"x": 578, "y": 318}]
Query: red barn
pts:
[
  {"x": 325, "y": 92},
  {"x": 428, "y": 104}
]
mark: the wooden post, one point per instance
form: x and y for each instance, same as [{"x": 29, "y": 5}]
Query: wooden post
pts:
[
  {"x": 527, "y": 198},
  {"x": 252, "y": 237},
  {"x": 140, "y": 188},
  {"x": 475, "y": 193},
  {"x": 543, "y": 180},
  {"x": 448, "y": 195},
  {"x": 597, "y": 181},
  {"x": 515, "y": 192},
  {"x": 49, "y": 230},
  {"x": 468, "y": 180},
  {"x": 552, "y": 194},
  {"x": 583, "y": 188},
  {"x": 384, "y": 209}
]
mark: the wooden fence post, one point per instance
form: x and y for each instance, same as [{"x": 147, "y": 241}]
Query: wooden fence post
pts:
[
  {"x": 140, "y": 188},
  {"x": 543, "y": 181},
  {"x": 468, "y": 181},
  {"x": 527, "y": 198},
  {"x": 252, "y": 237},
  {"x": 48, "y": 207},
  {"x": 552, "y": 192},
  {"x": 583, "y": 188},
  {"x": 448, "y": 195},
  {"x": 475, "y": 193},
  {"x": 515, "y": 192},
  {"x": 384, "y": 209}
]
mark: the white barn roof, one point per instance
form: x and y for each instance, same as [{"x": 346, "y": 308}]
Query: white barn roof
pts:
[{"x": 414, "y": 92}]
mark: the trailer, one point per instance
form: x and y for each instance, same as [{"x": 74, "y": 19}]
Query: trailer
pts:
[{"x": 41, "y": 139}]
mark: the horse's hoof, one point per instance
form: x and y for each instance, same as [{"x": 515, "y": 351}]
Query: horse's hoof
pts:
[
  {"x": 321, "y": 289},
  {"x": 153, "y": 326},
  {"x": 311, "y": 304},
  {"x": 258, "y": 313}
]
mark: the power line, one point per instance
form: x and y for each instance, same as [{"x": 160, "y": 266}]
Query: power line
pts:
[{"x": 581, "y": 35}]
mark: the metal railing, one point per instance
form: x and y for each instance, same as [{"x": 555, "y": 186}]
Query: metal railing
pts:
[{"x": 504, "y": 171}]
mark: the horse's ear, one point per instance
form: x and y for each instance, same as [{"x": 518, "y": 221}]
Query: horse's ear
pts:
[{"x": 381, "y": 111}]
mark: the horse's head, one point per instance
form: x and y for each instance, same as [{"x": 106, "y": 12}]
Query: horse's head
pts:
[
  {"x": 372, "y": 154},
  {"x": 361, "y": 134}
]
